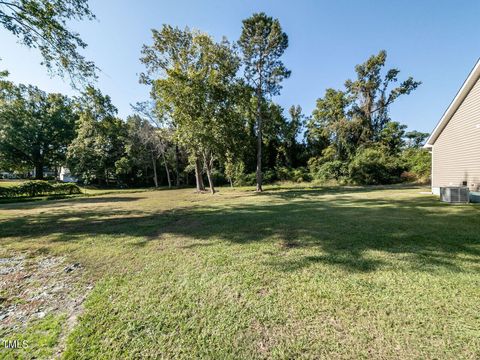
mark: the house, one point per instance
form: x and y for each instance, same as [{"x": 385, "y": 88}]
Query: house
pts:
[
  {"x": 66, "y": 176},
  {"x": 455, "y": 141}
]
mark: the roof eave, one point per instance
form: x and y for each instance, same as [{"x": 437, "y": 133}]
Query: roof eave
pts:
[{"x": 454, "y": 105}]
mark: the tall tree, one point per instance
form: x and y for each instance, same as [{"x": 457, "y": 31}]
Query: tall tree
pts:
[
  {"x": 392, "y": 137},
  {"x": 42, "y": 24},
  {"x": 344, "y": 120},
  {"x": 197, "y": 89},
  {"x": 291, "y": 131},
  {"x": 373, "y": 95},
  {"x": 157, "y": 137},
  {"x": 263, "y": 43},
  {"x": 331, "y": 131},
  {"x": 100, "y": 138},
  {"x": 35, "y": 128}
]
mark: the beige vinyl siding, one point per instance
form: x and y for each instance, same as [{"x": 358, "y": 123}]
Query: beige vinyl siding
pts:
[{"x": 456, "y": 152}]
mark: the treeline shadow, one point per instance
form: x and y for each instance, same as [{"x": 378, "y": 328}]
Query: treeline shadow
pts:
[{"x": 419, "y": 233}]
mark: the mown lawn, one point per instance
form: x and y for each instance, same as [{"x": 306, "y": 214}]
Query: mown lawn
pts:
[{"x": 383, "y": 273}]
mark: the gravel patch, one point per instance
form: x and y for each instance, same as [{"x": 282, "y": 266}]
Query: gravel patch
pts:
[{"x": 34, "y": 286}]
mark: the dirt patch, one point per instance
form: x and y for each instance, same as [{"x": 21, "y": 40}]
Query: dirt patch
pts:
[{"x": 33, "y": 286}]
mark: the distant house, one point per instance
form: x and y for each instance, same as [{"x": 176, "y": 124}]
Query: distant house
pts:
[
  {"x": 7, "y": 175},
  {"x": 455, "y": 141},
  {"x": 66, "y": 176}
]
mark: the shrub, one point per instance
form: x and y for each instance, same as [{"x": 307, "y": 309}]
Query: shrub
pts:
[
  {"x": 7, "y": 192},
  {"x": 283, "y": 173},
  {"x": 34, "y": 188},
  {"x": 418, "y": 164},
  {"x": 251, "y": 178},
  {"x": 218, "y": 177},
  {"x": 247, "y": 180},
  {"x": 373, "y": 166},
  {"x": 300, "y": 174},
  {"x": 66, "y": 189},
  {"x": 330, "y": 170},
  {"x": 268, "y": 176},
  {"x": 234, "y": 171},
  {"x": 39, "y": 188}
]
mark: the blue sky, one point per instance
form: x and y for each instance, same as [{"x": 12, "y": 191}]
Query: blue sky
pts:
[{"x": 435, "y": 41}]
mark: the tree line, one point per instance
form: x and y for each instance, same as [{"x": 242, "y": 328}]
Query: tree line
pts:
[{"x": 212, "y": 118}]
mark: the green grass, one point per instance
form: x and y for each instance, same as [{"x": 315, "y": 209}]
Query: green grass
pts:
[
  {"x": 10, "y": 183},
  {"x": 384, "y": 273},
  {"x": 38, "y": 342}
]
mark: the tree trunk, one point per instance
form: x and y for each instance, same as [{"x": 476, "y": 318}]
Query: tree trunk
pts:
[
  {"x": 39, "y": 171},
  {"x": 198, "y": 176},
  {"x": 166, "y": 170},
  {"x": 154, "y": 163},
  {"x": 208, "y": 167},
  {"x": 177, "y": 166},
  {"x": 146, "y": 176},
  {"x": 259, "y": 142}
]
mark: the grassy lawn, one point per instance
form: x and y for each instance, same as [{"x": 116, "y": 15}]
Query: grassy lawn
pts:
[
  {"x": 9, "y": 183},
  {"x": 384, "y": 273}
]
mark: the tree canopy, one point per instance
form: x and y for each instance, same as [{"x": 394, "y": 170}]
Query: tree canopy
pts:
[
  {"x": 35, "y": 128},
  {"x": 43, "y": 24},
  {"x": 211, "y": 116}
]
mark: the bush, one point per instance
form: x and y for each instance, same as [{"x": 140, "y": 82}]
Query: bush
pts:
[
  {"x": 34, "y": 188},
  {"x": 251, "y": 178},
  {"x": 280, "y": 173},
  {"x": 218, "y": 178},
  {"x": 300, "y": 174},
  {"x": 7, "y": 192},
  {"x": 373, "y": 166},
  {"x": 39, "y": 188},
  {"x": 418, "y": 163},
  {"x": 329, "y": 170},
  {"x": 66, "y": 189},
  {"x": 283, "y": 173},
  {"x": 269, "y": 176}
]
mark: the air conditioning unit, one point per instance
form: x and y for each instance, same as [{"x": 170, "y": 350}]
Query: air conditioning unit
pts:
[{"x": 455, "y": 194}]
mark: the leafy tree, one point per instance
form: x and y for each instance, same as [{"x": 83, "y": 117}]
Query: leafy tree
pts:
[
  {"x": 35, "y": 128},
  {"x": 291, "y": 133},
  {"x": 416, "y": 139},
  {"x": 331, "y": 131},
  {"x": 42, "y": 24},
  {"x": 345, "y": 121},
  {"x": 156, "y": 142},
  {"x": 391, "y": 136},
  {"x": 157, "y": 136},
  {"x": 234, "y": 169},
  {"x": 373, "y": 166},
  {"x": 100, "y": 138},
  {"x": 133, "y": 166},
  {"x": 418, "y": 163},
  {"x": 289, "y": 149},
  {"x": 198, "y": 90},
  {"x": 263, "y": 43},
  {"x": 372, "y": 94}
]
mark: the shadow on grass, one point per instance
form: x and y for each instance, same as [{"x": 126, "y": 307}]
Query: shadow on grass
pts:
[
  {"x": 39, "y": 203},
  {"x": 419, "y": 233},
  {"x": 286, "y": 192}
]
